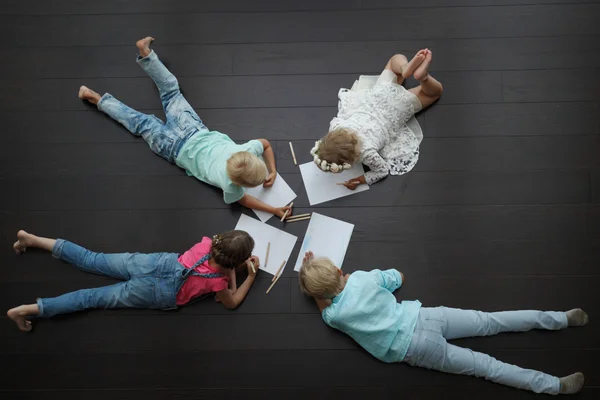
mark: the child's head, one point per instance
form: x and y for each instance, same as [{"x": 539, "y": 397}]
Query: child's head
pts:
[
  {"x": 338, "y": 150},
  {"x": 231, "y": 249},
  {"x": 321, "y": 279},
  {"x": 246, "y": 169}
]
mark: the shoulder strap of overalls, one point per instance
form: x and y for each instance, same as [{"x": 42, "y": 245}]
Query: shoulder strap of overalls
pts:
[{"x": 192, "y": 271}]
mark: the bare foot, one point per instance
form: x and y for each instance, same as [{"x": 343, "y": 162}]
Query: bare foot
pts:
[
  {"x": 143, "y": 46},
  {"x": 409, "y": 68},
  {"x": 85, "y": 93},
  {"x": 422, "y": 72},
  {"x": 18, "y": 315},
  {"x": 24, "y": 240}
]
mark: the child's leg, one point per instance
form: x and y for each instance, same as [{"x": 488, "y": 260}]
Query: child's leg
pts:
[
  {"x": 463, "y": 361},
  {"x": 400, "y": 65},
  {"x": 25, "y": 240},
  {"x": 21, "y": 313},
  {"x": 136, "y": 293},
  {"x": 429, "y": 90},
  {"x": 456, "y": 323},
  {"x": 429, "y": 349},
  {"x": 120, "y": 265},
  {"x": 159, "y": 138},
  {"x": 174, "y": 104}
]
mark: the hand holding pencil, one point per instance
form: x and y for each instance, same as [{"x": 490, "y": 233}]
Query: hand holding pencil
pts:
[
  {"x": 353, "y": 183},
  {"x": 286, "y": 211},
  {"x": 253, "y": 264}
]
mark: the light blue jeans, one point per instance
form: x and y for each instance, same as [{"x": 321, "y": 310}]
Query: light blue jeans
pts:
[
  {"x": 165, "y": 139},
  {"x": 149, "y": 280},
  {"x": 429, "y": 348}
]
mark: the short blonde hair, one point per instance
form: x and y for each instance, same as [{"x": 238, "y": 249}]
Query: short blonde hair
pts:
[
  {"x": 320, "y": 278},
  {"x": 340, "y": 146},
  {"x": 246, "y": 169}
]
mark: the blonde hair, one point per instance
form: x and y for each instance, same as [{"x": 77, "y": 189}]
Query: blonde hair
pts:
[
  {"x": 246, "y": 169},
  {"x": 340, "y": 146},
  {"x": 320, "y": 278}
]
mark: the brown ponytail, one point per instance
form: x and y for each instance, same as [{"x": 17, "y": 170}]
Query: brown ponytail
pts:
[{"x": 231, "y": 249}]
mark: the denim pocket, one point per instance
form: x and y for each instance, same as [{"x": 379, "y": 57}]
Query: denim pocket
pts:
[
  {"x": 166, "y": 293},
  {"x": 428, "y": 351},
  {"x": 162, "y": 145},
  {"x": 187, "y": 121},
  {"x": 141, "y": 292}
]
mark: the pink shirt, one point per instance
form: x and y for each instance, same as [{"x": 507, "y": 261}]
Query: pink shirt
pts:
[{"x": 196, "y": 285}]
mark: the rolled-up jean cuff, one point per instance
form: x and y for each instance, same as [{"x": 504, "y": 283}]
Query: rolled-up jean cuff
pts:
[
  {"x": 57, "y": 249},
  {"x": 148, "y": 58},
  {"x": 105, "y": 97},
  {"x": 40, "y": 305}
]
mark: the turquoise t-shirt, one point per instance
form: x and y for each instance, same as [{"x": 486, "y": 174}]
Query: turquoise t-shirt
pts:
[
  {"x": 205, "y": 156},
  {"x": 368, "y": 312}
]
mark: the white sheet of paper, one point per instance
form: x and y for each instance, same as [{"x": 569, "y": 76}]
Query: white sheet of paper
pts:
[
  {"x": 282, "y": 243},
  {"x": 322, "y": 186},
  {"x": 326, "y": 237},
  {"x": 278, "y": 195}
]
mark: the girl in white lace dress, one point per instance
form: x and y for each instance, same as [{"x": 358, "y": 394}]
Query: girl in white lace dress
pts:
[{"x": 375, "y": 123}]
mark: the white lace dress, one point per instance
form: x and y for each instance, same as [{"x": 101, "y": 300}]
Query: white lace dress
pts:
[{"x": 382, "y": 113}]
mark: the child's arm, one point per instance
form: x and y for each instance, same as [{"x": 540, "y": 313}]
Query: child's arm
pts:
[
  {"x": 233, "y": 300},
  {"x": 232, "y": 281},
  {"x": 255, "y": 204},
  {"x": 390, "y": 279},
  {"x": 379, "y": 170},
  {"x": 269, "y": 157}
]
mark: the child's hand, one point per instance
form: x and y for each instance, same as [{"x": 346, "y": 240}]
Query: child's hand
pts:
[
  {"x": 308, "y": 256},
  {"x": 353, "y": 183},
  {"x": 252, "y": 260},
  {"x": 281, "y": 210},
  {"x": 270, "y": 179}
]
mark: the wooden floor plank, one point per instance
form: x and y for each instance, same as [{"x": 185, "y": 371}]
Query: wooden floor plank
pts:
[
  {"x": 229, "y": 92},
  {"x": 156, "y": 369},
  {"x": 448, "y": 55}
]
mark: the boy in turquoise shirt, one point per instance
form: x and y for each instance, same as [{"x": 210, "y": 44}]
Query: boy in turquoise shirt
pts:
[
  {"x": 362, "y": 305},
  {"x": 210, "y": 156}
]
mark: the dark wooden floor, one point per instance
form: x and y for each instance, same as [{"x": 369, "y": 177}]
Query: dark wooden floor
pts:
[{"x": 501, "y": 212}]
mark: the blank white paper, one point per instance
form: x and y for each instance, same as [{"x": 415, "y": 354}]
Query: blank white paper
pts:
[
  {"x": 322, "y": 186},
  {"x": 326, "y": 237},
  {"x": 278, "y": 195},
  {"x": 282, "y": 243}
]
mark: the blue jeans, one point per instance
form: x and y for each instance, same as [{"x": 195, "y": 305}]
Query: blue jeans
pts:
[
  {"x": 149, "y": 280},
  {"x": 429, "y": 348},
  {"x": 165, "y": 139}
]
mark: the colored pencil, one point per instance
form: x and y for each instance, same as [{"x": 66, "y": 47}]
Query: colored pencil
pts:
[
  {"x": 298, "y": 216},
  {"x": 267, "y": 256},
  {"x": 287, "y": 211},
  {"x": 297, "y": 219},
  {"x": 278, "y": 271},
  {"x": 293, "y": 154},
  {"x": 275, "y": 281}
]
